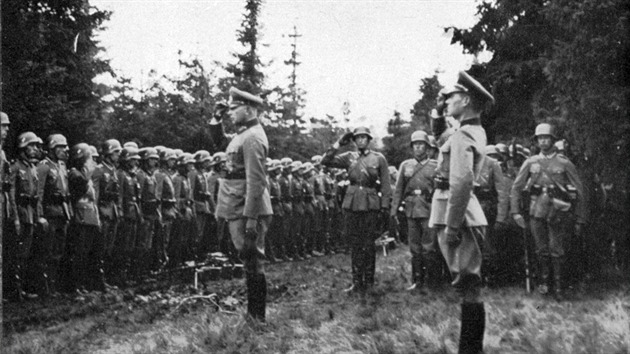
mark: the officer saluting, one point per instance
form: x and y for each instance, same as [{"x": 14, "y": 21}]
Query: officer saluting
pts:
[
  {"x": 368, "y": 173},
  {"x": 244, "y": 195},
  {"x": 455, "y": 211}
]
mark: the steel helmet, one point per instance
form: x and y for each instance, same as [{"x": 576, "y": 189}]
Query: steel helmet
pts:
[
  {"x": 219, "y": 157},
  {"x": 275, "y": 165},
  {"x": 94, "y": 151},
  {"x": 202, "y": 155},
  {"x": 131, "y": 143},
  {"x": 306, "y": 167},
  {"x": 178, "y": 152},
  {"x": 286, "y": 161},
  {"x": 129, "y": 153},
  {"x": 187, "y": 158},
  {"x": 502, "y": 148},
  {"x": 80, "y": 151},
  {"x": 316, "y": 160},
  {"x": 149, "y": 153},
  {"x": 160, "y": 149},
  {"x": 544, "y": 129},
  {"x": 111, "y": 146},
  {"x": 420, "y": 135},
  {"x": 55, "y": 140},
  {"x": 4, "y": 118},
  {"x": 362, "y": 131},
  {"x": 27, "y": 138},
  {"x": 168, "y": 154},
  {"x": 295, "y": 165}
]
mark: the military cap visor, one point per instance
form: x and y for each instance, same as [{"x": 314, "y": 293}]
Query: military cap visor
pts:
[
  {"x": 468, "y": 85},
  {"x": 242, "y": 97}
]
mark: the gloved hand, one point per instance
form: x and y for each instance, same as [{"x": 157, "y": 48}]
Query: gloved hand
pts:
[
  {"x": 519, "y": 220},
  {"x": 452, "y": 236},
  {"x": 345, "y": 139},
  {"x": 250, "y": 250},
  {"x": 220, "y": 109}
]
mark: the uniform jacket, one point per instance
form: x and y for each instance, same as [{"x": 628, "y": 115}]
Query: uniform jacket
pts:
[
  {"x": 244, "y": 192},
  {"x": 53, "y": 189},
  {"x": 285, "y": 193},
  {"x": 182, "y": 194},
  {"x": 459, "y": 161},
  {"x": 491, "y": 181},
  {"x": 129, "y": 194},
  {"x": 83, "y": 196},
  {"x": 276, "y": 196},
  {"x": 368, "y": 174},
  {"x": 547, "y": 172},
  {"x": 201, "y": 195},
  {"x": 309, "y": 196},
  {"x": 149, "y": 199},
  {"x": 25, "y": 185},
  {"x": 297, "y": 191},
  {"x": 108, "y": 189},
  {"x": 414, "y": 185},
  {"x": 166, "y": 193},
  {"x": 317, "y": 180}
]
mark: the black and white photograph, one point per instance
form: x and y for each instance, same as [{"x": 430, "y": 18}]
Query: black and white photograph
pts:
[{"x": 314, "y": 177}]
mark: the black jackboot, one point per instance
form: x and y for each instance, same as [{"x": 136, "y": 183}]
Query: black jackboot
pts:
[
  {"x": 473, "y": 327},
  {"x": 543, "y": 286},
  {"x": 557, "y": 278},
  {"x": 256, "y": 296}
]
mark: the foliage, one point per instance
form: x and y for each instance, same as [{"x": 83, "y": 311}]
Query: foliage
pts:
[
  {"x": 171, "y": 112},
  {"x": 396, "y": 144},
  {"x": 246, "y": 72},
  {"x": 49, "y": 58},
  {"x": 559, "y": 61}
]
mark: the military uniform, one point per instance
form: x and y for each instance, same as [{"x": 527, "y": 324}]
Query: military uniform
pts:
[
  {"x": 556, "y": 200},
  {"x": 54, "y": 197},
  {"x": 24, "y": 214},
  {"x": 274, "y": 239},
  {"x": 109, "y": 206},
  {"x": 456, "y": 212},
  {"x": 168, "y": 205},
  {"x": 180, "y": 245},
  {"x": 415, "y": 186},
  {"x": 490, "y": 192},
  {"x": 85, "y": 227},
  {"x": 298, "y": 220},
  {"x": 369, "y": 192},
  {"x": 151, "y": 215},
  {"x": 131, "y": 215},
  {"x": 287, "y": 240},
  {"x": 244, "y": 194}
]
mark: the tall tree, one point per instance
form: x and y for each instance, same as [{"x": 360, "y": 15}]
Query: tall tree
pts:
[
  {"x": 49, "y": 61},
  {"x": 246, "y": 72}
]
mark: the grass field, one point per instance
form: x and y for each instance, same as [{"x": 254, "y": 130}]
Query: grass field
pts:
[{"x": 308, "y": 313}]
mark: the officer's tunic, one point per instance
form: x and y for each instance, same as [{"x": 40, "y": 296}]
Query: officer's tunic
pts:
[
  {"x": 455, "y": 206},
  {"x": 544, "y": 177},
  {"x": 244, "y": 194}
]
